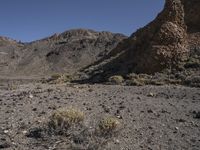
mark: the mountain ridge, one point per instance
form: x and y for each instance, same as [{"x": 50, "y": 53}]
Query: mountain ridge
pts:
[{"x": 60, "y": 53}]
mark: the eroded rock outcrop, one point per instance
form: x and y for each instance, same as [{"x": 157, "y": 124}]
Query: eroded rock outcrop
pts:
[{"x": 163, "y": 43}]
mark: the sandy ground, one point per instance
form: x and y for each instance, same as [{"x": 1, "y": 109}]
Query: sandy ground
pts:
[{"x": 153, "y": 117}]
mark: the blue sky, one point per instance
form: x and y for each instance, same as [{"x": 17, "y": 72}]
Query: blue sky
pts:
[{"x": 29, "y": 20}]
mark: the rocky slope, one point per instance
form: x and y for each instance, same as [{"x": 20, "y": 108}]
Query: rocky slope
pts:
[
  {"x": 167, "y": 42},
  {"x": 61, "y": 53},
  {"x": 9, "y": 50}
]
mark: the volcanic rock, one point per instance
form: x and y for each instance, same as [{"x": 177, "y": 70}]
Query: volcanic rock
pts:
[
  {"x": 61, "y": 53},
  {"x": 166, "y": 42}
]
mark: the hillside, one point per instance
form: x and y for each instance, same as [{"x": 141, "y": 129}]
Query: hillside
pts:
[{"x": 61, "y": 53}]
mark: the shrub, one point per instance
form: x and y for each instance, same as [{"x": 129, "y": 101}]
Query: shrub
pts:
[
  {"x": 192, "y": 63},
  {"x": 136, "y": 82},
  {"x": 12, "y": 86},
  {"x": 60, "y": 78},
  {"x": 109, "y": 125},
  {"x": 117, "y": 79},
  {"x": 55, "y": 76},
  {"x": 68, "y": 123},
  {"x": 64, "y": 118}
]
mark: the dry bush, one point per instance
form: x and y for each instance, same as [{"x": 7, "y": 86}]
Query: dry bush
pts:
[
  {"x": 97, "y": 137},
  {"x": 117, "y": 79},
  {"x": 63, "y": 119},
  {"x": 55, "y": 76},
  {"x": 109, "y": 125},
  {"x": 12, "y": 87},
  {"x": 67, "y": 125},
  {"x": 60, "y": 78}
]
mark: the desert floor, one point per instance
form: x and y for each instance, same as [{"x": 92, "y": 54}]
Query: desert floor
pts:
[{"x": 152, "y": 117}]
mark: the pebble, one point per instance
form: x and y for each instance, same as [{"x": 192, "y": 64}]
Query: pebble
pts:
[
  {"x": 24, "y": 132},
  {"x": 5, "y": 131},
  {"x": 151, "y": 94},
  {"x": 117, "y": 141},
  {"x": 30, "y": 96},
  {"x": 177, "y": 128}
]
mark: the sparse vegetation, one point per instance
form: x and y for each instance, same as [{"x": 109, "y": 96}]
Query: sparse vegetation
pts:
[
  {"x": 60, "y": 78},
  {"x": 138, "y": 80},
  {"x": 68, "y": 123},
  {"x": 116, "y": 79},
  {"x": 193, "y": 62},
  {"x": 55, "y": 76},
  {"x": 64, "y": 118},
  {"x": 109, "y": 125},
  {"x": 12, "y": 86}
]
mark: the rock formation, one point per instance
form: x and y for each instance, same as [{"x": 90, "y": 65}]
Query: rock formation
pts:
[
  {"x": 161, "y": 43},
  {"x": 164, "y": 43}
]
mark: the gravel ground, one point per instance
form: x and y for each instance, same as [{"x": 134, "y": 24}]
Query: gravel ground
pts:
[{"x": 153, "y": 117}]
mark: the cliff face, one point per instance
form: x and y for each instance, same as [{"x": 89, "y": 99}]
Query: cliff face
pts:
[
  {"x": 163, "y": 42},
  {"x": 166, "y": 42},
  {"x": 192, "y": 21},
  {"x": 192, "y": 15}
]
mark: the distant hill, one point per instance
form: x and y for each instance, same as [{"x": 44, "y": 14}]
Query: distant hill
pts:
[{"x": 61, "y": 53}]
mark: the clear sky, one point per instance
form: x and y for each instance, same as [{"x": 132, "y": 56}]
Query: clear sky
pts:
[{"x": 28, "y": 20}]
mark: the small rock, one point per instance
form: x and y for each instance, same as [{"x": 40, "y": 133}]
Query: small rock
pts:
[
  {"x": 181, "y": 120},
  {"x": 197, "y": 115},
  {"x": 30, "y": 96},
  {"x": 151, "y": 94},
  {"x": 150, "y": 111},
  {"x": 117, "y": 141},
  {"x": 24, "y": 132},
  {"x": 177, "y": 128},
  {"x": 5, "y": 131},
  {"x": 90, "y": 90},
  {"x": 122, "y": 107},
  {"x": 35, "y": 133},
  {"x": 34, "y": 109},
  {"x": 119, "y": 117}
]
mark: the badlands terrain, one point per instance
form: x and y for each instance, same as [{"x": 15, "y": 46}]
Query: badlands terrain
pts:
[{"x": 56, "y": 93}]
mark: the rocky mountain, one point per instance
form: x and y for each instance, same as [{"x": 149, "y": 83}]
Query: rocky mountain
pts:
[
  {"x": 167, "y": 42},
  {"x": 9, "y": 51},
  {"x": 61, "y": 53}
]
